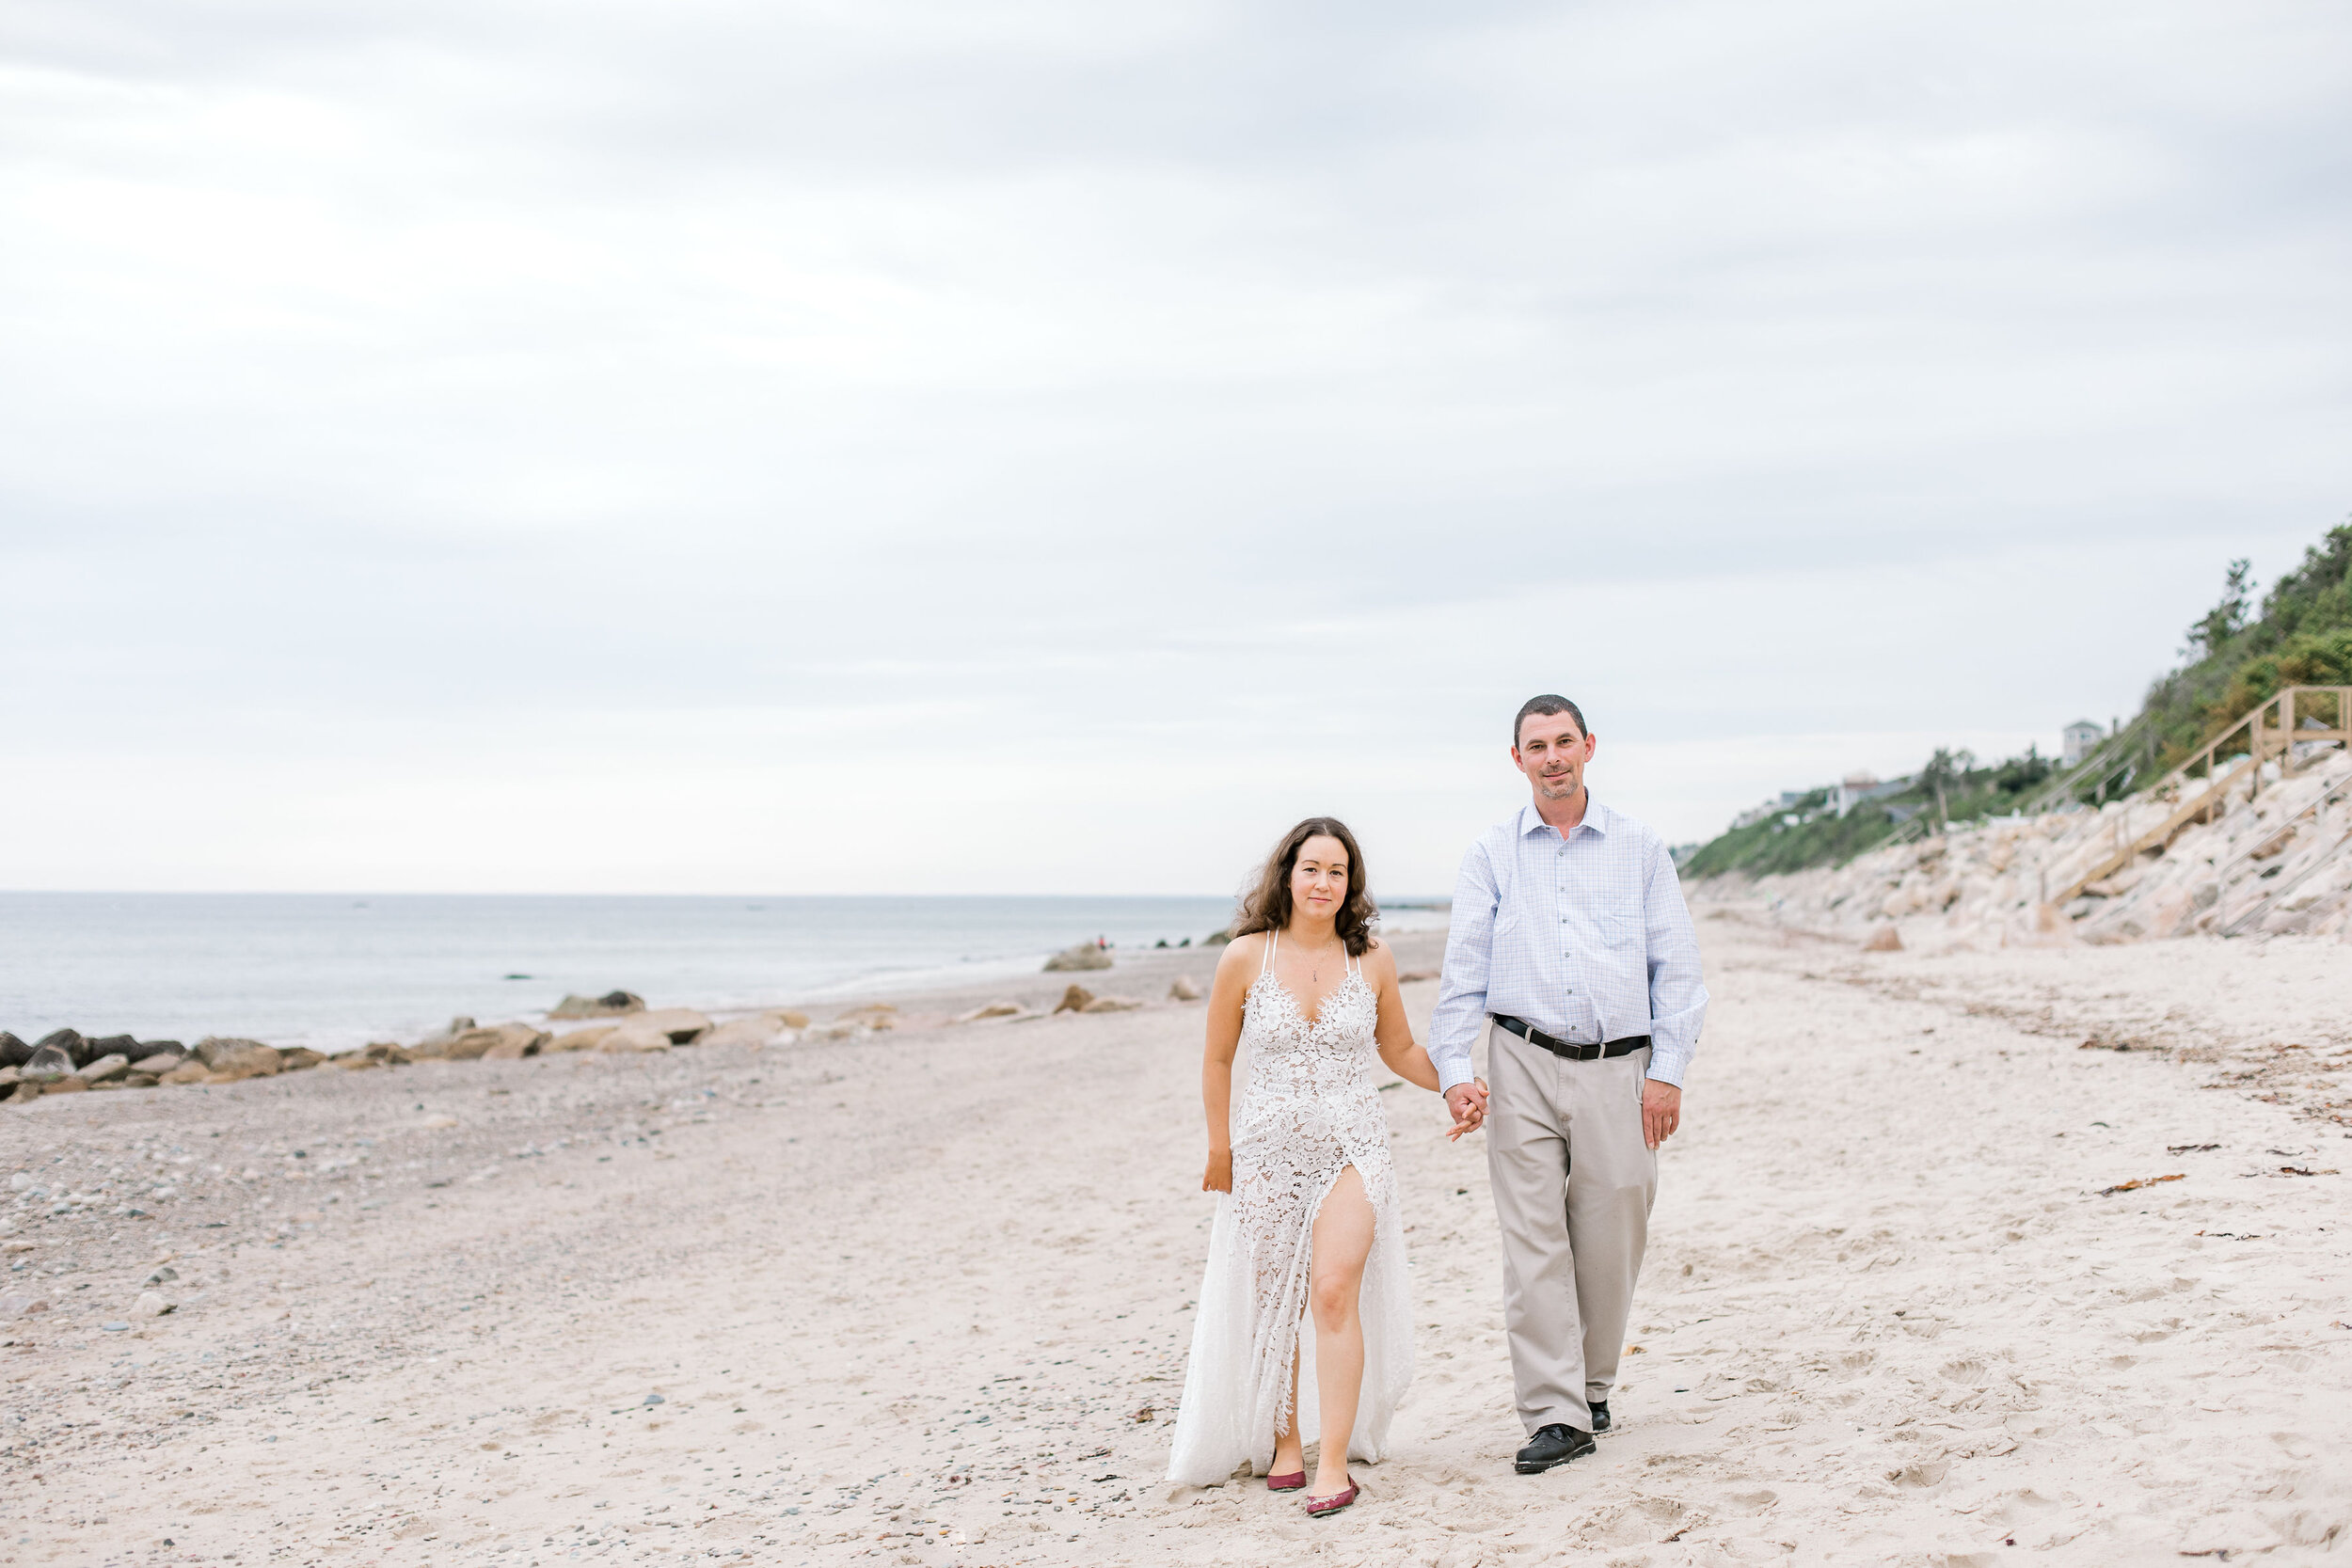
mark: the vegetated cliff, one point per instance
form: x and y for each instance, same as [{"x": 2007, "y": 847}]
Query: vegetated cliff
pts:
[
  {"x": 2302, "y": 636},
  {"x": 1950, "y": 787},
  {"x": 2237, "y": 655},
  {"x": 2277, "y": 859}
]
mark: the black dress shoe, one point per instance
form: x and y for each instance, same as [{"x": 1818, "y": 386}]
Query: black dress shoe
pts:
[
  {"x": 1600, "y": 1415},
  {"x": 1552, "y": 1445}
]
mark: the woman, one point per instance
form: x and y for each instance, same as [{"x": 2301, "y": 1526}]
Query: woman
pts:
[{"x": 1310, "y": 1214}]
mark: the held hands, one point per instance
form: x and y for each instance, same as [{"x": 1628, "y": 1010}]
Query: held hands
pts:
[
  {"x": 1661, "y": 1111},
  {"x": 1218, "y": 1178},
  {"x": 1468, "y": 1101}
]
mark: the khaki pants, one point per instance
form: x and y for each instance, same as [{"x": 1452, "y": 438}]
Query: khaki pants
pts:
[{"x": 1573, "y": 1185}]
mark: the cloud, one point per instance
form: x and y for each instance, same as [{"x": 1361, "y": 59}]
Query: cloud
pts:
[{"x": 746, "y": 403}]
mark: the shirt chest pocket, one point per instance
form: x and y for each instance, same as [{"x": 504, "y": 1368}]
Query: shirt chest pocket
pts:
[{"x": 1619, "y": 931}]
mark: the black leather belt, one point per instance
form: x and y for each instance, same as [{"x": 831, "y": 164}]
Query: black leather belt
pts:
[{"x": 1569, "y": 1049}]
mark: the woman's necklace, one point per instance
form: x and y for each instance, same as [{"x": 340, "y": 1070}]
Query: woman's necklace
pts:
[{"x": 1314, "y": 962}]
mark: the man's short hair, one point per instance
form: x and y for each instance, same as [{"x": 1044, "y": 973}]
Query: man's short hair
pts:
[{"x": 1546, "y": 705}]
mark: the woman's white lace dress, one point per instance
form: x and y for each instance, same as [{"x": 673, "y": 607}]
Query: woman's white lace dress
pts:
[{"x": 1311, "y": 1109}]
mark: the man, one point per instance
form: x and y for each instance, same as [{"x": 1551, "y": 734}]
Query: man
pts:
[{"x": 1572, "y": 948}]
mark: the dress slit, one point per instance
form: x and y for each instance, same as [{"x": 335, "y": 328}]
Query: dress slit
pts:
[{"x": 1310, "y": 1112}]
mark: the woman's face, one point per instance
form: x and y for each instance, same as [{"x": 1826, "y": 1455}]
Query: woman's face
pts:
[{"x": 1319, "y": 878}]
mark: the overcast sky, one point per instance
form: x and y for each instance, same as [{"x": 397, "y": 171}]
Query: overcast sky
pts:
[{"x": 1050, "y": 447}]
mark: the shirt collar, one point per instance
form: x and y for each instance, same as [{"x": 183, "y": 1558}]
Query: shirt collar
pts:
[{"x": 1597, "y": 818}]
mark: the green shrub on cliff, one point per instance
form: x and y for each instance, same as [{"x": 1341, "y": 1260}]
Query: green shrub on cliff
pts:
[
  {"x": 1949, "y": 787},
  {"x": 2238, "y": 655},
  {"x": 2302, "y": 636}
]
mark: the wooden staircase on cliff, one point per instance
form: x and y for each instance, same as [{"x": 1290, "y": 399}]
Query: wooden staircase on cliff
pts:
[{"x": 2244, "y": 745}]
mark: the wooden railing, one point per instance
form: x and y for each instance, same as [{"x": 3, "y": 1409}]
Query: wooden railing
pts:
[{"x": 2244, "y": 746}]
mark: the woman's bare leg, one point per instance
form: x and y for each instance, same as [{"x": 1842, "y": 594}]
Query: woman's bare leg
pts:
[
  {"x": 1342, "y": 1241},
  {"x": 1290, "y": 1454}
]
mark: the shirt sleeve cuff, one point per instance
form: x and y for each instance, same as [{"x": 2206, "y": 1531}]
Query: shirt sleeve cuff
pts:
[
  {"x": 1667, "y": 1067},
  {"x": 1450, "y": 1072}
]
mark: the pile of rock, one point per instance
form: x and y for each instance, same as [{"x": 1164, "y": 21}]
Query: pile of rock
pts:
[
  {"x": 67, "y": 1062},
  {"x": 2273, "y": 859},
  {"x": 1087, "y": 955}
]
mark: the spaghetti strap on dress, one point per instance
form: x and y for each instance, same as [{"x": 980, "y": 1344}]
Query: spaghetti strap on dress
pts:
[{"x": 1311, "y": 1109}]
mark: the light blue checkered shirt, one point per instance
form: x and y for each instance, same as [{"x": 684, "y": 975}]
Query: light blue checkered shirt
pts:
[{"x": 1586, "y": 938}]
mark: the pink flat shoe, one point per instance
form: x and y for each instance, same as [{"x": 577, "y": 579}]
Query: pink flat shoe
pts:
[
  {"x": 1318, "y": 1506},
  {"x": 1294, "y": 1481}
]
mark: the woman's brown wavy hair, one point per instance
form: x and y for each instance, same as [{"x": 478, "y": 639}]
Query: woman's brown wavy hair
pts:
[{"x": 1267, "y": 905}]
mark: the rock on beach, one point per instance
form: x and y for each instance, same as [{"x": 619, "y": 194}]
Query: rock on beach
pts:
[
  {"x": 250, "y": 1060},
  {"x": 500, "y": 1042},
  {"x": 47, "y": 1064},
  {"x": 379, "y": 1054},
  {"x": 212, "y": 1049},
  {"x": 1084, "y": 956},
  {"x": 760, "y": 1029},
  {"x": 657, "y": 1030},
  {"x": 613, "y": 1004},
  {"x": 66, "y": 1041}
]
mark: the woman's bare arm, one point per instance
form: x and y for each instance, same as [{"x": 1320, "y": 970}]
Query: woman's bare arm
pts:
[
  {"x": 1405, "y": 1057},
  {"x": 1226, "y": 994}
]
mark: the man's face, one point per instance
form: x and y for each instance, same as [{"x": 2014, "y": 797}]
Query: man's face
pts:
[{"x": 1552, "y": 752}]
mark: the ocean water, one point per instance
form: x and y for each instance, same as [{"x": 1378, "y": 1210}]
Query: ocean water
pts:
[{"x": 332, "y": 971}]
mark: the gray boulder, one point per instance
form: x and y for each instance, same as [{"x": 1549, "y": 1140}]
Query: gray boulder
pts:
[
  {"x": 1084, "y": 956},
  {"x": 47, "y": 1065},
  {"x": 613, "y": 1004},
  {"x": 112, "y": 1045},
  {"x": 212, "y": 1049},
  {"x": 13, "y": 1052},
  {"x": 68, "y": 1040},
  {"x": 113, "y": 1064}
]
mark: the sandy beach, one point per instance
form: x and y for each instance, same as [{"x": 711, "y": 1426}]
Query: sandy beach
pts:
[{"x": 922, "y": 1296}]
